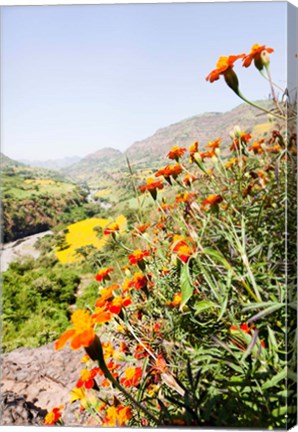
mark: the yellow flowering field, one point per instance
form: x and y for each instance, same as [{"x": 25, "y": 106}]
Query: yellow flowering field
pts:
[
  {"x": 82, "y": 234},
  {"x": 102, "y": 193},
  {"x": 40, "y": 182}
]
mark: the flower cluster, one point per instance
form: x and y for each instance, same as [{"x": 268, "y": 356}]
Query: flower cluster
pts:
[{"x": 188, "y": 307}]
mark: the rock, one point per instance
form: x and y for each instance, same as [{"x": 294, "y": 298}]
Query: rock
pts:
[
  {"x": 17, "y": 411},
  {"x": 35, "y": 380}
]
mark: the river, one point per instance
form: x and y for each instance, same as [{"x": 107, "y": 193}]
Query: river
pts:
[{"x": 18, "y": 248}]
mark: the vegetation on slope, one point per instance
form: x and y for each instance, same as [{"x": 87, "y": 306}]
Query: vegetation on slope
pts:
[
  {"x": 34, "y": 200},
  {"x": 195, "y": 328}
]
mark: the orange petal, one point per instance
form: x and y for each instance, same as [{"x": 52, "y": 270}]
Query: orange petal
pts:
[
  {"x": 103, "y": 317},
  {"x": 83, "y": 339},
  {"x": 59, "y": 343}
]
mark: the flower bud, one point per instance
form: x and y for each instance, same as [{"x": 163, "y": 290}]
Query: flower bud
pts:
[
  {"x": 261, "y": 60},
  {"x": 237, "y": 131},
  {"x": 217, "y": 152},
  {"x": 232, "y": 80},
  {"x": 197, "y": 157}
]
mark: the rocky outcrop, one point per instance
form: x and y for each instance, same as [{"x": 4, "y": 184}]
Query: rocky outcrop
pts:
[
  {"x": 35, "y": 380},
  {"x": 15, "y": 410}
]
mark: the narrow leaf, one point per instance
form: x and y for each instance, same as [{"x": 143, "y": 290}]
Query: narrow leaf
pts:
[
  {"x": 275, "y": 380},
  {"x": 202, "y": 305},
  {"x": 265, "y": 312},
  {"x": 186, "y": 285}
]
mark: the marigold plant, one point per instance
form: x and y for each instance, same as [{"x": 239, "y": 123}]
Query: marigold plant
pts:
[{"x": 188, "y": 327}]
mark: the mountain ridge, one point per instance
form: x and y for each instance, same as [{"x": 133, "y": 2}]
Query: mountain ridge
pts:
[
  {"x": 200, "y": 127},
  {"x": 55, "y": 164}
]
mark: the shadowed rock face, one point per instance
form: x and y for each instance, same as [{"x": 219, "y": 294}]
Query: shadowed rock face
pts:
[
  {"x": 35, "y": 380},
  {"x": 15, "y": 410}
]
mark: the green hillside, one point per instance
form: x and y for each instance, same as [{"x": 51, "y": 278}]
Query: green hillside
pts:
[{"x": 34, "y": 200}]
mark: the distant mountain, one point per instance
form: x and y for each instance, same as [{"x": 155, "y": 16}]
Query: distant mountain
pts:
[
  {"x": 95, "y": 165},
  {"x": 203, "y": 128},
  {"x": 54, "y": 164},
  {"x": 6, "y": 162},
  {"x": 108, "y": 163}
]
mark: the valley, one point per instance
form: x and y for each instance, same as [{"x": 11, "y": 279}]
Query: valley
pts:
[{"x": 74, "y": 203}]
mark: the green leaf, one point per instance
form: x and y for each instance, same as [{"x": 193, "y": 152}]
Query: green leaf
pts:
[
  {"x": 266, "y": 312},
  {"x": 202, "y": 305},
  {"x": 281, "y": 411},
  {"x": 275, "y": 380},
  {"x": 218, "y": 256},
  {"x": 186, "y": 285},
  {"x": 252, "y": 306}
]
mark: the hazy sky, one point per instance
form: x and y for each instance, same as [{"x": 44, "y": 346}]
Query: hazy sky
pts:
[{"x": 79, "y": 78}]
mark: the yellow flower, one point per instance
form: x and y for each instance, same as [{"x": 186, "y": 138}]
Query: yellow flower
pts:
[
  {"x": 77, "y": 394},
  {"x": 117, "y": 416}
]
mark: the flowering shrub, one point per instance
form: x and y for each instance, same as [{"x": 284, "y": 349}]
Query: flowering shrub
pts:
[{"x": 191, "y": 332}]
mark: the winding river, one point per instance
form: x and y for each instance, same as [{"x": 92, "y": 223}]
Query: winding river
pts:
[{"x": 18, "y": 248}]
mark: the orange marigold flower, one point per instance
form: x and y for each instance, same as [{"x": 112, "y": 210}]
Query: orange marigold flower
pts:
[
  {"x": 107, "y": 349},
  {"x": 132, "y": 377},
  {"x": 117, "y": 303},
  {"x": 255, "y": 54},
  {"x": 104, "y": 274},
  {"x": 188, "y": 179},
  {"x": 176, "y": 300},
  {"x": 208, "y": 154},
  {"x": 53, "y": 416},
  {"x": 213, "y": 200},
  {"x": 223, "y": 65},
  {"x": 244, "y": 139},
  {"x": 275, "y": 149},
  {"x": 101, "y": 315},
  {"x": 137, "y": 256},
  {"x": 232, "y": 162},
  {"x": 169, "y": 170},
  {"x": 176, "y": 152},
  {"x": 141, "y": 352},
  {"x": 123, "y": 347},
  {"x": 151, "y": 185},
  {"x": 194, "y": 148},
  {"x": 185, "y": 198},
  {"x": 256, "y": 147},
  {"x": 105, "y": 294},
  {"x": 243, "y": 327},
  {"x": 139, "y": 281},
  {"x": 182, "y": 249},
  {"x": 85, "y": 358},
  {"x": 82, "y": 333},
  {"x": 87, "y": 378},
  {"x": 140, "y": 229},
  {"x": 112, "y": 229},
  {"x": 214, "y": 145},
  {"x": 164, "y": 271},
  {"x": 111, "y": 365},
  {"x": 117, "y": 416}
]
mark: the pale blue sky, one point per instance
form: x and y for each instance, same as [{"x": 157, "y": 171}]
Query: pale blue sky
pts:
[{"x": 79, "y": 78}]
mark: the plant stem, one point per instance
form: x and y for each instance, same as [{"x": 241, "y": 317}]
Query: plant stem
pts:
[
  {"x": 259, "y": 107},
  {"x": 95, "y": 352}
]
